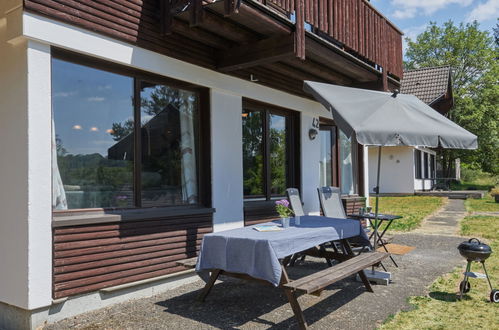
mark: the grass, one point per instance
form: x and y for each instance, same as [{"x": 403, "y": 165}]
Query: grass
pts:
[
  {"x": 413, "y": 209},
  {"x": 441, "y": 309},
  {"x": 486, "y": 204}
]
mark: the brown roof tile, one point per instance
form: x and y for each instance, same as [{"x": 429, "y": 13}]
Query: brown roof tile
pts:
[{"x": 428, "y": 84}]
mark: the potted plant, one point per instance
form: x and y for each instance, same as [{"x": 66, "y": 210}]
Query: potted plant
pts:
[
  {"x": 282, "y": 208},
  {"x": 495, "y": 193}
]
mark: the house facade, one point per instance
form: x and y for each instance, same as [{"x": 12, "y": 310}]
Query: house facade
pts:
[
  {"x": 406, "y": 170},
  {"x": 131, "y": 128}
]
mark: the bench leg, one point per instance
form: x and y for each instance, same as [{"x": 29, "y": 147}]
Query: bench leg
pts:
[
  {"x": 364, "y": 279},
  {"x": 209, "y": 285},
  {"x": 296, "y": 308}
]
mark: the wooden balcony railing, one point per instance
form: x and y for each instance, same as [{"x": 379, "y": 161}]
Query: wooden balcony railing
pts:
[{"x": 355, "y": 24}]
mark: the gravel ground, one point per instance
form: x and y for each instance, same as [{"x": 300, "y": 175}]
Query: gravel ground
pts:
[{"x": 234, "y": 304}]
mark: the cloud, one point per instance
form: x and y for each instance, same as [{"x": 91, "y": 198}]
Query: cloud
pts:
[
  {"x": 405, "y": 13},
  {"x": 64, "y": 94},
  {"x": 484, "y": 11},
  {"x": 96, "y": 99},
  {"x": 412, "y": 8},
  {"x": 412, "y": 33},
  {"x": 104, "y": 87}
]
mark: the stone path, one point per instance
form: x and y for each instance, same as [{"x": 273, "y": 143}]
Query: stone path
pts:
[{"x": 446, "y": 221}]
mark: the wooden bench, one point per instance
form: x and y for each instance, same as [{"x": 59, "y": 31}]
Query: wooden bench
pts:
[{"x": 316, "y": 282}]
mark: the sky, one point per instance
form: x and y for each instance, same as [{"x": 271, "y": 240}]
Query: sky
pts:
[{"x": 412, "y": 16}]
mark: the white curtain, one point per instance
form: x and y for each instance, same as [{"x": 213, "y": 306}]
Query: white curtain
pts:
[
  {"x": 59, "y": 201},
  {"x": 187, "y": 147},
  {"x": 346, "y": 163}
]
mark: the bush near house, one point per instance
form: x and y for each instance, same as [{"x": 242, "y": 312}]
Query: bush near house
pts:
[
  {"x": 440, "y": 309},
  {"x": 413, "y": 209}
]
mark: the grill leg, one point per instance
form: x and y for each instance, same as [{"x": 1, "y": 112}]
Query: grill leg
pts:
[
  {"x": 468, "y": 268},
  {"x": 486, "y": 274}
]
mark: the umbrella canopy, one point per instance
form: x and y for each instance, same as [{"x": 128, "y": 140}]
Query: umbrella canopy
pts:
[{"x": 389, "y": 119}]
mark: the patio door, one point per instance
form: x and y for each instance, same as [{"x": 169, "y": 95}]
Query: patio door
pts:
[{"x": 328, "y": 162}]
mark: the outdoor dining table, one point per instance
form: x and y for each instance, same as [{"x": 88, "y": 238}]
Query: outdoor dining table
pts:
[
  {"x": 381, "y": 218},
  {"x": 261, "y": 255}
]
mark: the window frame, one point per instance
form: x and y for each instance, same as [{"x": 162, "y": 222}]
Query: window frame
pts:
[
  {"x": 203, "y": 156},
  {"x": 357, "y": 156},
  {"x": 292, "y": 147}
]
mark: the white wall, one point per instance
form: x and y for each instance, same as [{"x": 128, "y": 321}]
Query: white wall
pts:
[
  {"x": 25, "y": 200},
  {"x": 397, "y": 169},
  {"x": 310, "y": 156},
  {"x": 14, "y": 172},
  {"x": 227, "y": 160}
]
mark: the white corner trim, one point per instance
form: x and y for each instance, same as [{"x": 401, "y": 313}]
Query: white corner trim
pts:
[{"x": 90, "y": 43}]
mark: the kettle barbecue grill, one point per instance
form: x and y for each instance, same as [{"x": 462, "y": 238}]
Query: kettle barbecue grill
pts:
[{"x": 474, "y": 250}]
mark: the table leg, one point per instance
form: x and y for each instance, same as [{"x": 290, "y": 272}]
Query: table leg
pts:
[
  {"x": 383, "y": 243},
  {"x": 295, "y": 306},
  {"x": 209, "y": 285}
]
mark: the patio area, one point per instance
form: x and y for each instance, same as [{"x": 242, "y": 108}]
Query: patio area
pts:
[{"x": 233, "y": 304}]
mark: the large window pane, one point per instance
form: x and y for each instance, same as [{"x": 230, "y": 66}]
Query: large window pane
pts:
[
  {"x": 278, "y": 155},
  {"x": 169, "y": 145},
  {"x": 92, "y": 137},
  {"x": 346, "y": 165},
  {"x": 253, "y": 153},
  {"x": 326, "y": 160}
]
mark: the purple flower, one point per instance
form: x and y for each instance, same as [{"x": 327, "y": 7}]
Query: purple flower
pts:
[
  {"x": 283, "y": 202},
  {"x": 121, "y": 198}
]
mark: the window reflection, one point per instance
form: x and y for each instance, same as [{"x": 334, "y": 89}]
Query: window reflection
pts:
[
  {"x": 169, "y": 144},
  {"x": 92, "y": 112},
  {"x": 347, "y": 153},
  {"x": 325, "y": 163},
  {"x": 278, "y": 154},
  {"x": 253, "y": 153}
]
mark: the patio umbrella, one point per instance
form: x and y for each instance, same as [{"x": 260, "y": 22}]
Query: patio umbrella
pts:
[{"x": 388, "y": 119}]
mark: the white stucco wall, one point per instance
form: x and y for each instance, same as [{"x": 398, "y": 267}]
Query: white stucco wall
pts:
[
  {"x": 310, "y": 156},
  {"x": 227, "y": 160},
  {"x": 397, "y": 169},
  {"x": 14, "y": 177},
  {"x": 25, "y": 200}
]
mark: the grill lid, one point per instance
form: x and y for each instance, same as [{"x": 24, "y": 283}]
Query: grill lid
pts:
[{"x": 474, "y": 245}]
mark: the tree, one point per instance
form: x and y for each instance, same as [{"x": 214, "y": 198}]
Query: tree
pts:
[{"x": 472, "y": 55}]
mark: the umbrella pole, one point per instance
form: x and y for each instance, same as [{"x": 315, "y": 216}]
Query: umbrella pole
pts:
[{"x": 377, "y": 204}]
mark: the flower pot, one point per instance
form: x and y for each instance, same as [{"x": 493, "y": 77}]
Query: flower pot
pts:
[{"x": 285, "y": 222}]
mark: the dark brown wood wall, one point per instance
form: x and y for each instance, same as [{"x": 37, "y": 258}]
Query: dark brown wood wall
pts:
[
  {"x": 357, "y": 25},
  {"x": 133, "y": 21},
  {"x": 91, "y": 257}
]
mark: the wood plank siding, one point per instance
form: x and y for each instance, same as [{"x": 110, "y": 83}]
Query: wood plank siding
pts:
[
  {"x": 348, "y": 46},
  {"x": 359, "y": 27},
  {"x": 91, "y": 257}
]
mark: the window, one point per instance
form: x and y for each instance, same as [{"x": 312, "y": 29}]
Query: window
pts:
[
  {"x": 327, "y": 162},
  {"x": 426, "y": 166},
  {"x": 269, "y": 151},
  {"x": 417, "y": 164},
  {"x": 348, "y": 164},
  {"x": 122, "y": 140},
  {"x": 432, "y": 166}
]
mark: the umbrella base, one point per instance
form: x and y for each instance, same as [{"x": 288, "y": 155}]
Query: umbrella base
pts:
[{"x": 381, "y": 278}]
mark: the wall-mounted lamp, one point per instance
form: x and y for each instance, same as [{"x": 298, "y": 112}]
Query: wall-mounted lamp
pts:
[{"x": 312, "y": 133}]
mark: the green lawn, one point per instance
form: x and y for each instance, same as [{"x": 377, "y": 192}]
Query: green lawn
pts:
[
  {"x": 413, "y": 208},
  {"x": 440, "y": 309},
  {"x": 486, "y": 204}
]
